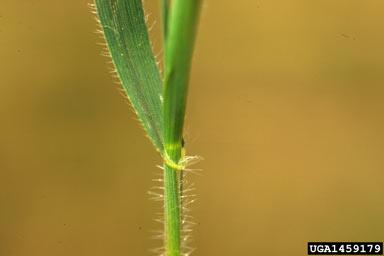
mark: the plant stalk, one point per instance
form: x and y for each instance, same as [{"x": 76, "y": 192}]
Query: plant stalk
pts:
[
  {"x": 179, "y": 44},
  {"x": 172, "y": 211}
]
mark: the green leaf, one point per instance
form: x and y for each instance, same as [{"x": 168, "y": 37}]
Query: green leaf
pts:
[{"x": 126, "y": 34}]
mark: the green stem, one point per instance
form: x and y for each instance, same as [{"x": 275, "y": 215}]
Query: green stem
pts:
[
  {"x": 172, "y": 211},
  {"x": 182, "y": 25},
  {"x": 180, "y": 37}
]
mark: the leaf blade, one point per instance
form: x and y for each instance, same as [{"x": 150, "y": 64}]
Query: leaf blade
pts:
[{"x": 126, "y": 34}]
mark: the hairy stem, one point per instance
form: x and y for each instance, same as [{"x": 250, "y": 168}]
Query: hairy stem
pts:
[
  {"x": 172, "y": 211},
  {"x": 180, "y": 37}
]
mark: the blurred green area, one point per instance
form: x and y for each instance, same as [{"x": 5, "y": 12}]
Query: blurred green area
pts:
[{"x": 286, "y": 106}]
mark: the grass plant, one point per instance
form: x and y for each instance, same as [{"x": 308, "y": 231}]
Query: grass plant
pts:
[{"x": 159, "y": 103}]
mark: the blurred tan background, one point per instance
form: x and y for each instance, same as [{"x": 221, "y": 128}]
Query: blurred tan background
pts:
[{"x": 286, "y": 106}]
